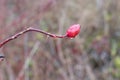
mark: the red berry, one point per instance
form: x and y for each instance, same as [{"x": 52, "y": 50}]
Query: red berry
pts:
[{"x": 73, "y": 31}]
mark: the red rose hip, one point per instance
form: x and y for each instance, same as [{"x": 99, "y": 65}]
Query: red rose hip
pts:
[{"x": 73, "y": 31}]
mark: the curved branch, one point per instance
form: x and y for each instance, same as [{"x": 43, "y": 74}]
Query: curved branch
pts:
[
  {"x": 28, "y": 30},
  {"x": 71, "y": 33}
]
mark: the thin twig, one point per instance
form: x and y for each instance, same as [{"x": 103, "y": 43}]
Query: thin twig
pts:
[{"x": 28, "y": 30}]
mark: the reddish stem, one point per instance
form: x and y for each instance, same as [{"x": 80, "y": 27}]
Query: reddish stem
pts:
[{"x": 28, "y": 30}]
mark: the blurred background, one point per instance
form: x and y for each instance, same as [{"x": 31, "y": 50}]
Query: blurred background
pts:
[{"x": 93, "y": 55}]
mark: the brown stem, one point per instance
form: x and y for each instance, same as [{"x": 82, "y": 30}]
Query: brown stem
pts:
[{"x": 28, "y": 30}]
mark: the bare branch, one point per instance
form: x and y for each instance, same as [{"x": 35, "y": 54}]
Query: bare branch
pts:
[{"x": 28, "y": 30}]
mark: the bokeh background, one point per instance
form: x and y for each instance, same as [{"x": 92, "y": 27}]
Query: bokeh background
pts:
[{"x": 93, "y": 55}]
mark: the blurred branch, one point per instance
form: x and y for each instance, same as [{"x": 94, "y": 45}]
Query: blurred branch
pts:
[
  {"x": 10, "y": 71},
  {"x": 27, "y": 61},
  {"x": 1, "y": 75},
  {"x": 90, "y": 72},
  {"x": 88, "y": 68}
]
